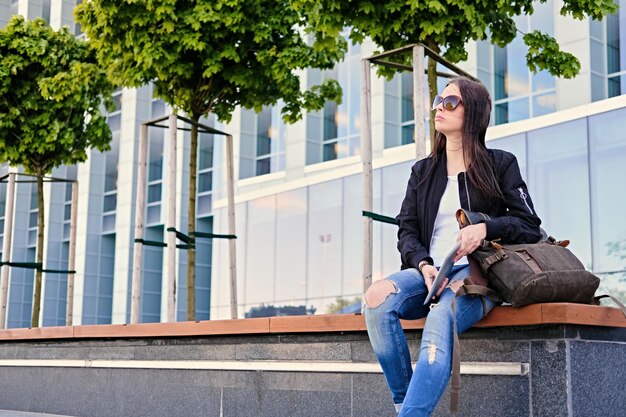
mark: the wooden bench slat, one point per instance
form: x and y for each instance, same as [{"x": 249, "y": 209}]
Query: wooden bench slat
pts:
[{"x": 536, "y": 314}]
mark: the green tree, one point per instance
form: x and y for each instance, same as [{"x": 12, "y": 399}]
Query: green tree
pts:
[
  {"x": 340, "y": 303},
  {"x": 210, "y": 56},
  {"x": 446, "y": 26},
  {"x": 51, "y": 92}
]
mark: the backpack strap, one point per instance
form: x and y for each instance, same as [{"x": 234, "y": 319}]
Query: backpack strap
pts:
[
  {"x": 455, "y": 378},
  {"x": 596, "y": 301}
]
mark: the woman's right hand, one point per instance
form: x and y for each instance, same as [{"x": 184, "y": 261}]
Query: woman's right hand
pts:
[{"x": 430, "y": 273}]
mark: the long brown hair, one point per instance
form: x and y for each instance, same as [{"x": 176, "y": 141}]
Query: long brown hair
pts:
[{"x": 479, "y": 167}]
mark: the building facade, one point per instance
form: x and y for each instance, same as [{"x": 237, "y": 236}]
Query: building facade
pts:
[{"x": 298, "y": 187}]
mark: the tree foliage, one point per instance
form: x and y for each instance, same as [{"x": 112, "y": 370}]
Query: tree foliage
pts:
[
  {"x": 51, "y": 91},
  {"x": 211, "y": 56},
  {"x": 447, "y": 25}
]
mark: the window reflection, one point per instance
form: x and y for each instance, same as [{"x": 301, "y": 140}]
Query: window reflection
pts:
[
  {"x": 337, "y": 125},
  {"x": 270, "y": 141},
  {"x": 558, "y": 180},
  {"x": 518, "y": 93},
  {"x": 608, "y": 153},
  {"x": 291, "y": 247},
  {"x": 259, "y": 285},
  {"x": 324, "y": 242}
]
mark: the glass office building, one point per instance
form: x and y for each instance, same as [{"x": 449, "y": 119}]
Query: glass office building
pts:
[{"x": 298, "y": 187}]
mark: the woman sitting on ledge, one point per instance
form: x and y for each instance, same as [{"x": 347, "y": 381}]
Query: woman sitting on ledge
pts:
[{"x": 461, "y": 172}]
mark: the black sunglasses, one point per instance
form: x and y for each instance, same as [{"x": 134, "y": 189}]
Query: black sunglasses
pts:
[{"x": 449, "y": 103}]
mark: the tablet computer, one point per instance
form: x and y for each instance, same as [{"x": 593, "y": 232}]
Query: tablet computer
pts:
[{"x": 444, "y": 271}]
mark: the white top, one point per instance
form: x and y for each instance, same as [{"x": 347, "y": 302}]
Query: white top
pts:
[{"x": 446, "y": 227}]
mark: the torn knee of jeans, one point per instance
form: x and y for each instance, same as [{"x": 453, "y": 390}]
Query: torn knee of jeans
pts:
[
  {"x": 378, "y": 293},
  {"x": 432, "y": 353}
]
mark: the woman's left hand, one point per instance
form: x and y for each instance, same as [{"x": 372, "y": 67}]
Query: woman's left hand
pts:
[{"x": 470, "y": 238}]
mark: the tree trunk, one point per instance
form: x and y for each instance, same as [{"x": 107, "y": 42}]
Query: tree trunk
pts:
[
  {"x": 39, "y": 256},
  {"x": 191, "y": 222},
  {"x": 432, "y": 91}
]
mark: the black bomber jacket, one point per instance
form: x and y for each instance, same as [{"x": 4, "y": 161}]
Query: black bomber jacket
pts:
[{"x": 513, "y": 220}]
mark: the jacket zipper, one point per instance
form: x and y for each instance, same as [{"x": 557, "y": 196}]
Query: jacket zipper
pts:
[
  {"x": 523, "y": 195},
  {"x": 469, "y": 203}
]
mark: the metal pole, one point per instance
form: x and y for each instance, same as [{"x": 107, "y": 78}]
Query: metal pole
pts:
[
  {"x": 232, "y": 243},
  {"x": 366, "y": 155},
  {"x": 140, "y": 209},
  {"x": 6, "y": 248},
  {"x": 419, "y": 132},
  {"x": 171, "y": 220},
  {"x": 71, "y": 262}
]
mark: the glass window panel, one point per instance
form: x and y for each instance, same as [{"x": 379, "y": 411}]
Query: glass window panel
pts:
[
  {"x": 259, "y": 283},
  {"x": 542, "y": 80},
  {"x": 32, "y": 219},
  {"x": 33, "y": 196},
  {"x": 153, "y": 214},
  {"x": 518, "y": 110},
  {"x": 32, "y": 237},
  {"x": 154, "y": 193},
  {"x": 158, "y": 108},
  {"x": 66, "y": 231},
  {"x": 110, "y": 181},
  {"x": 205, "y": 181},
  {"x": 354, "y": 146},
  {"x": 3, "y": 199},
  {"x": 277, "y": 130},
  {"x": 342, "y": 148},
  {"x": 355, "y": 94},
  {"x": 543, "y": 17},
  {"x": 205, "y": 153},
  {"x": 110, "y": 202},
  {"x": 499, "y": 72},
  {"x": 291, "y": 249},
  {"x": 278, "y": 163},
  {"x": 616, "y": 85},
  {"x": 406, "y": 82},
  {"x": 325, "y": 239},
  {"x": 394, "y": 182},
  {"x": 155, "y": 155},
  {"x": 597, "y": 57},
  {"x": 517, "y": 71},
  {"x": 558, "y": 176},
  {"x": 352, "y": 252},
  {"x": 608, "y": 169},
  {"x": 342, "y": 111},
  {"x": 597, "y": 88},
  {"x": 407, "y": 134},
  {"x": 515, "y": 144},
  {"x": 263, "y": 166},
  {"x": 330, "y": 151},
  {"x": 114, "y": 122},
  {"x": 108, "y": 223},
  {"x": 204, "y": 204},
  {"x": 595, "y": 29},
  {"x": 264, "y": 123},
  {"x": 612, "y": 43},
  {"x": 329, "y": 120},
  {"x": 544, "y": 104}
]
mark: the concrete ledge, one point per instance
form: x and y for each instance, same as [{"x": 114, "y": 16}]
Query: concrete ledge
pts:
[
  {"x": 504, "y": 316},
  {"x": 541, "y": 360}
]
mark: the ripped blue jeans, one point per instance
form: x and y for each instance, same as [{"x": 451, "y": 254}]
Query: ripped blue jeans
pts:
[{"x": 416, "y": 393}]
